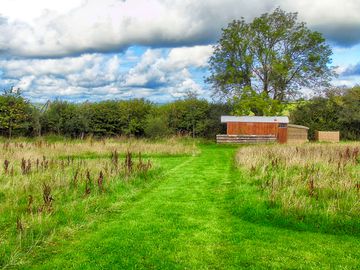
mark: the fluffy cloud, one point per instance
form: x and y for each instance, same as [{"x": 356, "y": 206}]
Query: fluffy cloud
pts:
[
  {"x": 169, "y": 73},
  {"x": 113, "y": 25},
  {"x": 79, "y": 49},
  {"x": 162, "y": 74},
  {"x": 339, "y": 21},
  {"x": 71, "y": 76}
]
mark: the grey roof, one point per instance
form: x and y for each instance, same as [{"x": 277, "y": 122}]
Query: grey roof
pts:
[{"x": 255, "y": 119}]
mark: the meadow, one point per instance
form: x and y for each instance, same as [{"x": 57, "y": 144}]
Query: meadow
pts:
[
  {"x": 311, "y": 186},
  {"x": 178, "y": 203},
  {"x": 47, "y": 186}
]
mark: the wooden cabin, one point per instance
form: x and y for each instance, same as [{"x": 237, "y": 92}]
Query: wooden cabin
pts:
[{"x": 257, "y": 129}]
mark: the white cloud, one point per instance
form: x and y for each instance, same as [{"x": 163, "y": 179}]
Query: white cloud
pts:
[
  {"x": 56, "y": 48},
  {"x": 182, "y": 57},
  {"x": 169, "y": 73},
  {"x": 60, "y": 66},
  {"x": 111, "y": 25},
  {"x": 160, "y": 73},
  {"x": 70, "y": 76},
  {"x": 28, "y": 11}
]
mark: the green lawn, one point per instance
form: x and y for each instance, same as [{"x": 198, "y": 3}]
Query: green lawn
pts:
[{"x": 192, "y": 218}]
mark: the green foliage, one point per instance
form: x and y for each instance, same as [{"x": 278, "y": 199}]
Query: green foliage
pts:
[
  {"x": 317, "y": 114},
  {"x": 63, "y": 118},
  {"x": 274, "y": 56},
  {"x": 156, "y": 127},
  {"x": 15, "y": 114},
  {"x": 137, "y": 117},
  {"x": 349, "y": 115},
  {"x": 133, "y": 115},
  {"x": 252, "y": 103},
  {"x": 338, "y": 110},
  {"x": 189, "y": 116}
]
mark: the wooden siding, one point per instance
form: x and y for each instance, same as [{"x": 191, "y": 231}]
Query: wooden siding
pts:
[
  {"x": 240, "y": 128},
  {"x": 247, "y": 128},
  {"x": 297, "y": 134}
]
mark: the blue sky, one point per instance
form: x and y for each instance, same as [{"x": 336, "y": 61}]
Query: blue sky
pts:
[{"x": 93, "y": 50}]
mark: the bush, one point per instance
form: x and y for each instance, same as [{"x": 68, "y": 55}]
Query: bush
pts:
[{"x": 156, "y": 127}]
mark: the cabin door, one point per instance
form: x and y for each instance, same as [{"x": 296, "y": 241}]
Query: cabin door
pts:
[{"x": 282, "y": 133}]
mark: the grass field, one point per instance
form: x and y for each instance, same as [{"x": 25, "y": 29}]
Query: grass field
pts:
[{"x": 202, "y": 206}]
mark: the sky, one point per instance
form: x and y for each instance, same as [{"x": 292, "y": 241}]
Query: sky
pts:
[{"x": 91, "y": 50}]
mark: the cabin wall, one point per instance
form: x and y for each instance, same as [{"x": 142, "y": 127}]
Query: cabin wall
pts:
[
  {"x": 297, "y": 134},
  {"x": 248, "y": 128},
  {"x": 241, "y": 128}
]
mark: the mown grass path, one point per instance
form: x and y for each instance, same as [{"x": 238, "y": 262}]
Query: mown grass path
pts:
[{"x": 186, "y": 222}]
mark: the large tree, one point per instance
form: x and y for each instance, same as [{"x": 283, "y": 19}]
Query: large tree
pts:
[{"x": 273, "y": 56}]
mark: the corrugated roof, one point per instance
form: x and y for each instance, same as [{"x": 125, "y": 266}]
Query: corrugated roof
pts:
[{"x": 255, "y": 119}]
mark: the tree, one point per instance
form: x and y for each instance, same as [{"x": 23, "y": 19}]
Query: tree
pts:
[
  {"x": 274, "y": 55},
  {"x": 189, "y": 116},
  {"x": 156, "y": 127},
  {"x": 319, "y": 113},
  {"x": 350, "y": 114},
  {"x": 252, "y": 103},
  {"x": 15, "y": 112},
  {"x": 339, "y": 110}
]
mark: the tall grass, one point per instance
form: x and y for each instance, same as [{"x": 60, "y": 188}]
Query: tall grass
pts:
[
  {"x": 315, "y": 184},
  {"x": 50, "y": 186}
]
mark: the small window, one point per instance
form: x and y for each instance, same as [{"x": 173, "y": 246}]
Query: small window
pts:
[{"x": 282, "y": 125}]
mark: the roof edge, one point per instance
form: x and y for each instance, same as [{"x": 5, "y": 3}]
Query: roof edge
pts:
[{"x": 255, "y": 119}]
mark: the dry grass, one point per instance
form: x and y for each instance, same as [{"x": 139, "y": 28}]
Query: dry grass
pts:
[
  {"x": 307, "y": 180},
  {"x": 38, "y": 149}
]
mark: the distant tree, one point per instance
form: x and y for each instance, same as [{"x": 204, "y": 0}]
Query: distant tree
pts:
[
  {"x": 15, "y": 113},
  {"x": 189, "y": 116},
  {"x": 106, "y": 118},
  {"x": 56, "y": 117},
  {"x": 156, "y": 126},
  {"x": 338, "y": 110},
  {"x": 114, "y": 118},
  {"x": 214, "y": 127},
  {"x": 134, "y": 114},
  {"x": 349, "y": 115},
  {"x": 273, "y": 56}
]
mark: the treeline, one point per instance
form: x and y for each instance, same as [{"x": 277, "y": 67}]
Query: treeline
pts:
[
  {"x": 137, "y": 117},
  {"x": 339, "y": 109}
]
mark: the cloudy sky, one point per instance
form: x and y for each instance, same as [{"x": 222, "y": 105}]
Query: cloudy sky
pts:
[{"x": 158, "y": 49}]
